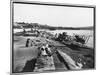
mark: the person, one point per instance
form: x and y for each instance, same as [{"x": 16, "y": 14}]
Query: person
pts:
[
  {"x": 27, "y": 42},
  {"x": 78, "y": 39},
  {"x": 48, "y": 50},
  {"x": 45, "y": 50}
]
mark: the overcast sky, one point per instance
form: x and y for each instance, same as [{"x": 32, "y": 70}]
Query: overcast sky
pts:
[{"x": 53, "y": 15}]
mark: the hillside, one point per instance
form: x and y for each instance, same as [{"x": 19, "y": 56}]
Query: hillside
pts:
[{"x": 40, "y": 26}]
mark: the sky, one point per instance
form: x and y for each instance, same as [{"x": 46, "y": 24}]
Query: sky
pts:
[{"x": 53, "y": 15}]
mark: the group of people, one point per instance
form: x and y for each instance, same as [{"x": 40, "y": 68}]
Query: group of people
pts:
[{"x": 65, "y": 37}]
